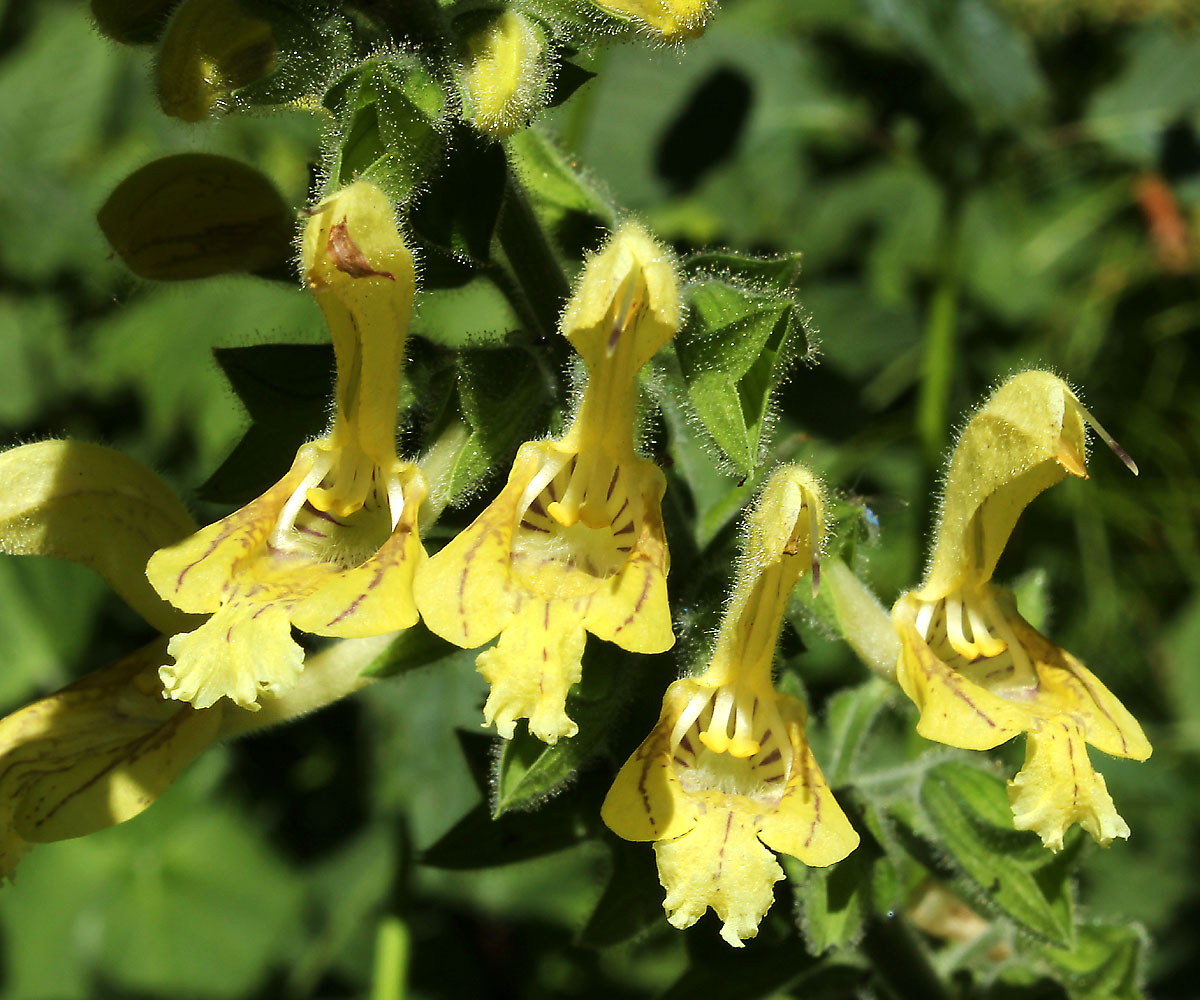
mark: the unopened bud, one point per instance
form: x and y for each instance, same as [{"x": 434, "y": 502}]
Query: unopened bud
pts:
[
  {"x": 671, "y": 20},
  {"x": 505, "y": 71},
  {"x": 211, "y": 48}
]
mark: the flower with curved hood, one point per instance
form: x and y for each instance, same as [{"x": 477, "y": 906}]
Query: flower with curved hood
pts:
[
  {"x": 727, "y": 773},
  {"x": 981, "y": 674},
  {"x": 574, "y": 542},
  {"x": 332, "y": 547}
]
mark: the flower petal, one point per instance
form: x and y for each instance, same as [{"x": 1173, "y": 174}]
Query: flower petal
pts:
[
  {"x": 96, "y": 507},
  {"x": 243, "y": 651},
  {"x": 720, "y": 863},
  {"x": 646, "y": 801},
  {"x": 1058, "y": 786},
  {"x": 377, "y": 596},
  {"x": 954, "y": 710},
  {"x": 195, "y": 573},
  {"x": 1027, "y": 436},
  {"x": 807, "y": 823},
  {"x": 532, "y": 668},
  {"x": 1066, "y": 686},
  {"x": 465, "y": 591},
  {"x": 94, "y": 754}
]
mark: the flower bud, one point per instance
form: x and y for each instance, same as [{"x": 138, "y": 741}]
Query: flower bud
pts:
[
  {"x": 671, "y": 20},
  {"x": 211, "y": 48},
  {"x": 132, "y": 22},
  {"x": 505, "y": 71}
]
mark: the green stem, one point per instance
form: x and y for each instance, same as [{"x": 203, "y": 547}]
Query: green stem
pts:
[
  {"x": 938, "y": 365},
  {"x": 899, "y": 959},
  {"x": 531, "y": 261},
  {"x": 390, "y": 976}
]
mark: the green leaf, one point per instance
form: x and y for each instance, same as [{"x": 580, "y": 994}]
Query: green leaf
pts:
[
  {"x": 347, "y": 890},
  {"x": 207, "y": 918},
  {"x": 475, "y": 315},
  {"x": 455, "y": 216},
  {"x": 736, "y": 348},
  {"x": 187, "y": 900},
  {"x": 1007, "y": 871},
  {"x": 832, "y": 903},
  {"x": 528, "y": 772},
  {"x": 1160, "y": 83},
  {"x": 632, "y": 897},
  {"x": 40, "y": 644},
  {"x": 480, "y": 841},
  {"x": 552, "y": 181},
  {"x": 414, "y": 647},
  {"x": 780, "y": 274},
  {"x": 979, "y": 55},
  {"x": 568, "y": 79},
  {"x": 717, "y": 498},
  {"x": 1104, "y": 964},
  {"x": 763, "y": 970},
  {"x": 505, "y": 398},
  {"x": 158, "y": 349},
  {"x": 285, "y": 389},
  {"x": 390, "y": 109},
  {"x": 849, "y": 717}
]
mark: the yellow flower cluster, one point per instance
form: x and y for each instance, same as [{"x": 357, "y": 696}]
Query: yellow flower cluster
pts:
[{"x": 573, "y": 543}]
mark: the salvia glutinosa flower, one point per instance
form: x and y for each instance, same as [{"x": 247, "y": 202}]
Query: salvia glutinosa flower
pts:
[
  {"x": 981, "y": 674},
  {"x": 101, "y": 750},
  {"x": 332, "y": 547},
  {"x": 727, "y": 773},
  {"x": 574, "y": 542}
]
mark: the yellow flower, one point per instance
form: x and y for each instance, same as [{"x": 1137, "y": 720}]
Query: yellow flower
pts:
[
  {"x": 94, "y": 754},
  {"x": 574, "y": 542},
  {"x": 332, "y": 547},
  {"x": 672, "y": 20},
  {"x": 101, "y": 750},
  {"x": 505, "y": 71},
  {"x": 727, "y": 773},
  {"x": 979, "y": 673}
]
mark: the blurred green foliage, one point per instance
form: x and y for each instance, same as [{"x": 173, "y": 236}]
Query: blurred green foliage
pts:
[{"x": 975, "y": 186}]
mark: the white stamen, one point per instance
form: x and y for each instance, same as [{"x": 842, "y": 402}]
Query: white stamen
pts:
[
  {"x": 539, "y": 482},
  {"x": 988, "y": 643},
  {"x": 954, "y": 629},
  {"x": 395, "y": 496},
  {"x": 287, "y": 517},
  {"x": 689, "y": 715},
  {"x": 925, "y": 617}
]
